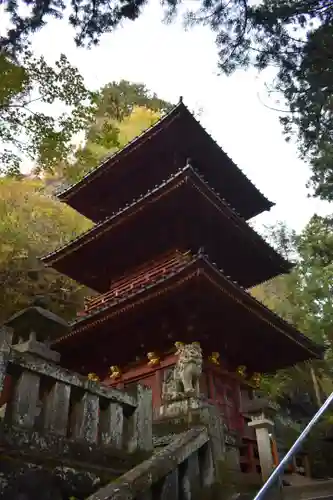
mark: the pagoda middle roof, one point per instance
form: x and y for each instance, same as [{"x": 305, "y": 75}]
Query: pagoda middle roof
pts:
[
  {"x": 152, "y": 157},
  {"x": 193, "y": 302},
  {"x": 182, "y": 213}
]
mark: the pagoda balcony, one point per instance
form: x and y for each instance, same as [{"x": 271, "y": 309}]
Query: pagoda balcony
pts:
[{"x": 143, "y": 277}]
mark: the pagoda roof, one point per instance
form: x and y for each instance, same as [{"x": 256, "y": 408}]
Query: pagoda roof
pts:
[
  {"x": 182, "y": 213},
  {"x": 152, "y": 157},
  {"x": 193, "y": 302}
]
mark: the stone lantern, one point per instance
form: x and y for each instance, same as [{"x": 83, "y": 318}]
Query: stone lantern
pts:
[
  {"x": 261, "y": 411},
  {"x": 34, "y": 330}
]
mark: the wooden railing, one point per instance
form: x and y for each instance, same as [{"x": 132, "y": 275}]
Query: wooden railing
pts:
[
  {"x": 182, "y": 469},
  {"x": 45, "y": 398},
  {"x": 143, "y": 276}
]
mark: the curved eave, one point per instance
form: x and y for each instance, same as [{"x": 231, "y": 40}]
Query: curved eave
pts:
[
  {"x": 218, "y": 168},
  {"x": 256, "y": 328},
  {"x": 100, "y": 238}
]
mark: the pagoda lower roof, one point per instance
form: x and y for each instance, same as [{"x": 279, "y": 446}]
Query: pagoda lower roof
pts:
[
  {"x": 183, "y": 213},
  {"x": 193, "y": 303},
  {"x": 153, "y": 157}
]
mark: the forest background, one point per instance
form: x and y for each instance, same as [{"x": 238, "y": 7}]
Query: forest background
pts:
[{"x": 33, "y": 222}]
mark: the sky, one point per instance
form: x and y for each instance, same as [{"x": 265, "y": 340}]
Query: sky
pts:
[{"x": 174, "y": 62}]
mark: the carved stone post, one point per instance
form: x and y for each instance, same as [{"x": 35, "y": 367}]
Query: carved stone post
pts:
[
  {"x": 211, "y": 417},
  {"x": 190, "y": 478},
  {"x": 25, "y": 400},
  {"x": 86, "y": 418},
  {"x": 112, "y": 425},
  {"x": 169, "y": 487},
  {"x": 56, "y": 407},
  {"x": 140, "y": 424},
  {"x": 206, "y": 465}
]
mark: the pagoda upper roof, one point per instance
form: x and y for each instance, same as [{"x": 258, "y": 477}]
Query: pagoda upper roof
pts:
[
  {"x": 182, "y": 213},
  {"x": 152, "y": 157},
  {"x": 194, "y": 301}
]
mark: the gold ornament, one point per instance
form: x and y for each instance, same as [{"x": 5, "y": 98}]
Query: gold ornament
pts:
[
  {"x": 115, "y": 372},
  {"x": 214, "y": 358},
  {"x": 256, "y": 379},
  {"x": 241, "y": 371},
  {"x": 154, "y": 360},
  {"x": 93, "y": 377}
]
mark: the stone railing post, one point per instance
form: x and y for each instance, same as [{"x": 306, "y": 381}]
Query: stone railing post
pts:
[
  {"x": 190, "y": 480},
  {"x": 86, "y": 418},
  {"x": 210, "y": 416},
  {"x": 56, "y": 409},
  {"x": 139, "y": 432},
  {"x": 206, "y": 463},
  {"x": 25, "y": 399},
  {"x": 112, "y": 425}
]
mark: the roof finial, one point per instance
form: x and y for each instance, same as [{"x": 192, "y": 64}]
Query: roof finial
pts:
[{"x": 180, "y": 99}]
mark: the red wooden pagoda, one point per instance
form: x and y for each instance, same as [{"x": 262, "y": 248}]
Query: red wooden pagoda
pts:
[{"x": 170, "y": 256}]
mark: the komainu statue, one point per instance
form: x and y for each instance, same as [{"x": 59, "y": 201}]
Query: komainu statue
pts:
[{"x": 184, "y": 378}]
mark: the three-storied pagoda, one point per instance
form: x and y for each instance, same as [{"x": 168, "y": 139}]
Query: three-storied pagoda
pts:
[{"x": 171, "y": 256}]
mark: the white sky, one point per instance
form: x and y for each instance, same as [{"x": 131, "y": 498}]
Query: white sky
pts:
[{"x": 173, "y": 62}]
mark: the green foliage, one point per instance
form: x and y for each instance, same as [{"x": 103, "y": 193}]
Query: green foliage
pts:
[
  {"x": 305, "y": 298},
  {"x": 117, "y": 100},
  {"x": 294, "y": 36},
  {"x": 30, "y": 129},
  {"x": 106, "y": 139},
  {"x": 32, "y": 224}
]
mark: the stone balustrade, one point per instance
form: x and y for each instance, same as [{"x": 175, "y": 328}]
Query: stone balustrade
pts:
[
  {"x": 180, "y": 470},
  {"x": 45, "y": 398}
]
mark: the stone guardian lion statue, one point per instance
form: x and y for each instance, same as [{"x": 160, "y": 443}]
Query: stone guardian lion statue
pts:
[{"x": 185, "y": 377}]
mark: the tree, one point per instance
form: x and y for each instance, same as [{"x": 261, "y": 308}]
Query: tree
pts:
[
  {"x": 32, "y": 224},
  {"x": 293, "y": 35},
  {"x": 304, "y": 298},
  {"x": 30, "y": 128}
]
